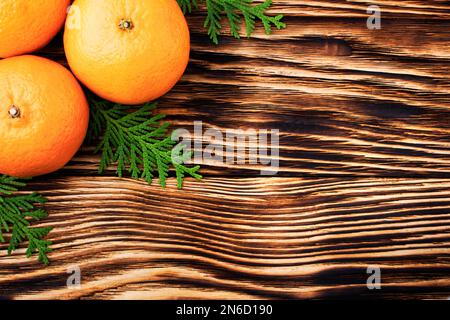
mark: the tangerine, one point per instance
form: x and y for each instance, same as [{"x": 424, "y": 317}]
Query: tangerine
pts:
[
  {"x": 44, "y": 116},
  {"x": 27, "y": 26}
]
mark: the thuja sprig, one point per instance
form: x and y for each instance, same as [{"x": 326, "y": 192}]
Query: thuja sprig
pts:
[
  {"x": 16, "y": 213},
  {"x": 234, "y": 11},
  {"x": 137, "y": 142}
]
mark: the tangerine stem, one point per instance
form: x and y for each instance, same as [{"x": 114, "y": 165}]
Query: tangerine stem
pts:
[
  {"x": 14, "y": 112},
  {"x": 126, "y": 24}
]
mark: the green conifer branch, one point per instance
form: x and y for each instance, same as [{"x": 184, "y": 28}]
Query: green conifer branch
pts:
[
  {"x": 16, "y": 213},
  {"x": 234, "y": 11},
  {"x": 137, "y": 142}
]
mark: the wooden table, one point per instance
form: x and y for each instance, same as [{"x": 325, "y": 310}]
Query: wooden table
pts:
[{"x": 364, "y": 180}]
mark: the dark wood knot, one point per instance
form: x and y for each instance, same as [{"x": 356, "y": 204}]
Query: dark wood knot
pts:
[{"x": 336, "y": 47}]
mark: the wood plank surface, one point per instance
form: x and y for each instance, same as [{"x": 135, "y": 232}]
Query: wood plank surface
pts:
[
  {"x": 241, "y": 237},
  {"x": 364, "y": 178},
  {"x": 367, "y": 102}
]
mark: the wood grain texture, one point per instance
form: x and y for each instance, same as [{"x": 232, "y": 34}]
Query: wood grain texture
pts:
[
  {"x": 243, "y": 237},
  {"x": 348, "y": 101},
  {"x": 364, "y": 120}
]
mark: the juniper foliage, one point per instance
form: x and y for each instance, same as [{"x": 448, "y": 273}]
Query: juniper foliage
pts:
[
  {"x": 17, "y": 211},
  {"x": 234, "y": 11}
]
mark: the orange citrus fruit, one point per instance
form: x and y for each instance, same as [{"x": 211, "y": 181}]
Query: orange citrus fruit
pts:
[
  {"x": 128, "y": 52},
  {"x": 29, "y": 25},
  {"x": 43, "y": 116}
]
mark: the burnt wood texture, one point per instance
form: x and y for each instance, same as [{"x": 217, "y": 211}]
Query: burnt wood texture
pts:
[{"x": 364, "y": 178}]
